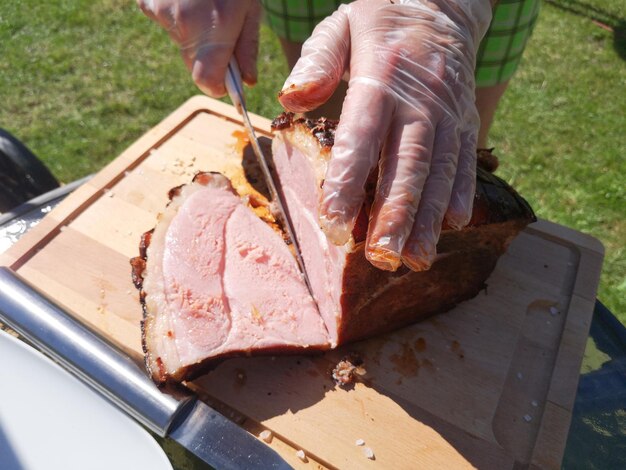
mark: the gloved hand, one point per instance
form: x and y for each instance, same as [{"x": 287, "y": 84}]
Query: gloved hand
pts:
[
  {"x": 208, "y": 33},
  {"x": 410, "y": 103}
]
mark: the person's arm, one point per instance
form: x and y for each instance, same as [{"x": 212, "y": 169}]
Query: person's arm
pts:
[
  {"x": 209, "y": 33},
  {"x": 410, "y": 103}
]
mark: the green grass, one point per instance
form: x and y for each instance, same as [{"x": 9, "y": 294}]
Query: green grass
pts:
[
  {"x": 81, "y": 80},
  {"x": 561, "y": 133}
]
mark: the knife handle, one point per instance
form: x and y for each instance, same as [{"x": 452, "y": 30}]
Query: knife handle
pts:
[{"x": 97, "y": 362}]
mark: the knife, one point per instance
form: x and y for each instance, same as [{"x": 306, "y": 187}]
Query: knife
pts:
[
  {"x": 178, "y": 414},
  {"x": 234, "y": 87}
]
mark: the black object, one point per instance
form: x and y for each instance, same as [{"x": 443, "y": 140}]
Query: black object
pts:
[
  {"x": 597, "y": 436},
  {"x": 604, "y": 388},
  {"x": 22, "y": 175}
]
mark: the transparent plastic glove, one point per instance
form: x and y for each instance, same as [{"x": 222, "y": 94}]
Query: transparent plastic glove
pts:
[
  {"x": 409, "y": 108},
  {"x": 208, "y": 33}
]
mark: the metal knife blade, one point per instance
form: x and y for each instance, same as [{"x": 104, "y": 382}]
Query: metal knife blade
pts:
[
  {"x": 234, "y": 86},
  {"x": 112, "y": 373},
  {"x": 231, "y": 450}
]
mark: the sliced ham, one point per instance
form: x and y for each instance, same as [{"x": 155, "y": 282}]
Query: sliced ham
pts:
[
  {"x": 217, "y": 278},
  {"x": 219, "y": 281}
]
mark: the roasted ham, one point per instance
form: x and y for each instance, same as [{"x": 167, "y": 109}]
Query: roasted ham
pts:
[
  {"x": 219, "y": 281},
  {"x": 218, "y": 278}
]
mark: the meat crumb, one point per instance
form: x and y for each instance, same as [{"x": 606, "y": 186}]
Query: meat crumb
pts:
[
  {"x": 301, "y": 455},
  {"x": 256, "y": 315},
  {"x": 266, "y": 436},
  {"x": 369, "y": 453},
  {"x": 348, "y": 369},
  {"x": 359, "y": 442}
]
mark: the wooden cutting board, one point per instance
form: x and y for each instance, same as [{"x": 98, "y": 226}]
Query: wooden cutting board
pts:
[{"x": 490, "y": 384}]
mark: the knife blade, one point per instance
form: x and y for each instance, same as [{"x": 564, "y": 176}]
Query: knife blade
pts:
[
  {"x": 234, "y": 87},
  {"x": 178, "y": 414}
]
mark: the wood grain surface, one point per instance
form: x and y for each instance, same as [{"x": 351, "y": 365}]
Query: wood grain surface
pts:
[{"x": 490, "y": 384}]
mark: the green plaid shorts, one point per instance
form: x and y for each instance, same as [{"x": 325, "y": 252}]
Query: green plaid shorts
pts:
[
  {"x": 498, "y": 56},
  {"x": 501, "y": 49}
]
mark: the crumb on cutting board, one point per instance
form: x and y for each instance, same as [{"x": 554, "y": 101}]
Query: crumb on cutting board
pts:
[
  {"x": 301, "y": 455},
  {"x": 348, "y": 369},
  {"x": 369, "y": 453}
]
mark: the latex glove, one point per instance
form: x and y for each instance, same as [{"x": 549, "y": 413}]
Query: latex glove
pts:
[
  {"x": 410, "y": 103},
  {"x": 208, "y": 33}
]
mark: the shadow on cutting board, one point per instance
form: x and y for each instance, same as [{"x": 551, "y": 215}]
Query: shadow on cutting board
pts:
[{"x": 431, "y": 366}]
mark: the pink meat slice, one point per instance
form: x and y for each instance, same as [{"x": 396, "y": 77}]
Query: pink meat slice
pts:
[
  {"x": 221, "y": 282},
  {"x": 325, "y": 263}
]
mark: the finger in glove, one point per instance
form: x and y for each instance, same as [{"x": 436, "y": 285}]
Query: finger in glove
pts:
[
  {"x": 404, "y": 167},
  {"x": 208, "y": 33},
  {"x": 318, "y": 72},
  {"x": 459, "y": 210},
  {"x": 355, "y": 153},
  {"x": 421, "y": 247}
]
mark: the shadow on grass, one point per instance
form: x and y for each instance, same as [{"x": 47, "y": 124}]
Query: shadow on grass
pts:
[{"x": 604, "y": 19}]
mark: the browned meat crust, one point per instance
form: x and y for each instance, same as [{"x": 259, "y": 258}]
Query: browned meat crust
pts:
[
  {"x": 375, "y": 301},
  {"x": 322, "y": 129}
]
